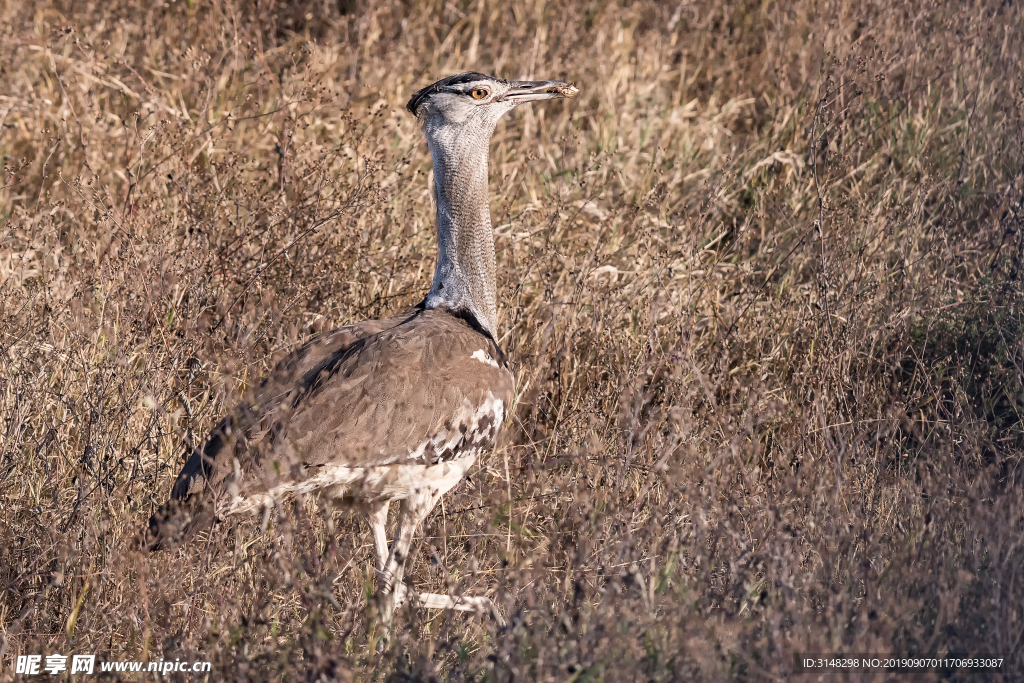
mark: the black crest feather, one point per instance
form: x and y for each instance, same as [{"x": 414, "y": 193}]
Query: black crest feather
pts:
[{"x": 458, "y": 79}]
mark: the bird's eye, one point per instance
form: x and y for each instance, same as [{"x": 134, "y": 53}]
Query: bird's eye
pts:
[{"x": 479, "y": 93}]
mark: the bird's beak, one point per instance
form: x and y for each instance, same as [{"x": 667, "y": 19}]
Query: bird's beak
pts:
[{"x": 528, "y": 91}]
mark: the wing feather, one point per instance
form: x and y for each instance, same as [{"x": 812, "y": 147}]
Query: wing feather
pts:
[{"x": 401, "y": 390}]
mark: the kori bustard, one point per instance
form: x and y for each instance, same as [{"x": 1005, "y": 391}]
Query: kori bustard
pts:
[{"x": 383, "y": 410}]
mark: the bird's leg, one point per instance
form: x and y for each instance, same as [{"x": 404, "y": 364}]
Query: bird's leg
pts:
[
  {"x": 462, "y": 603},
  {"x": 377, "y": 516},
  {"x": 415, "y": 509},
  {"x": 393, "y": 591}
]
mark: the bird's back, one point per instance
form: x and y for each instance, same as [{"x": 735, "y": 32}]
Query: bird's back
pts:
[{"x": 421, "y": 388}]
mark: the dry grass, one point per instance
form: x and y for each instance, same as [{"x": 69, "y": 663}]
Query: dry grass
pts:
[{"x": 761, "y": 283}]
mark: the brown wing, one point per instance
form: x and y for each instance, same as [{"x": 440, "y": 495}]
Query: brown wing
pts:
[
  {"x": 248, "y": 419},
  {"x": 402, "y": 397},
  {"x": 320, "y": 350},
  {"x": 415, "y": 388}
]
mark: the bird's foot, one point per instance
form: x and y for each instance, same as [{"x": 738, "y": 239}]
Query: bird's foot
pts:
[
  {"x": 395, "y": 597},
  {"x": 462, "y": 603}
]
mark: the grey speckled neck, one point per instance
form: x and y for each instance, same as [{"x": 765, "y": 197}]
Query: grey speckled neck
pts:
[
  {"x": 458, "y": 115},
  {"x": 465, "y": 277}
]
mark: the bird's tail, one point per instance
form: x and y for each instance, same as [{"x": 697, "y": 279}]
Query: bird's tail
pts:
[
  {"x": 176, "y": 522},
  {"x": 190, "y": 508}
]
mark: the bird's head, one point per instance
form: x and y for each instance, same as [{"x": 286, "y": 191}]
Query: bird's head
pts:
[{"x": 473, "y": 97}]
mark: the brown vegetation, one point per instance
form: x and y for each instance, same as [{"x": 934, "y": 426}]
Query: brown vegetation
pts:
[{"x": 761, "y": 283}]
